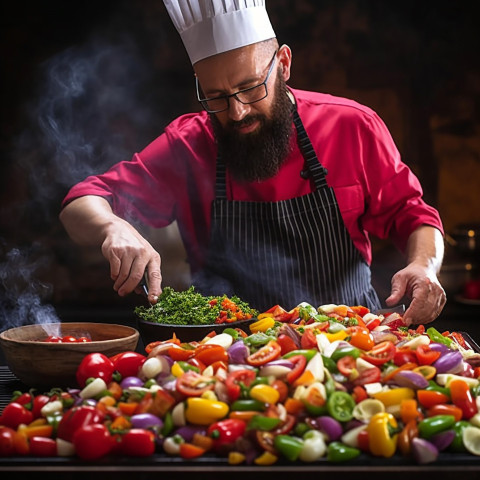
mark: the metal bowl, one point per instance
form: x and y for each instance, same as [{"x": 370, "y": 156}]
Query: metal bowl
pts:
[
  {"x": 154, "y": 332},
  {"x": 38, "y": 363}
]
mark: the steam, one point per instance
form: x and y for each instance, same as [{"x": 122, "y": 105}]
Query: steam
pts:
[
  {"x": 22, "y": 292},
  {"x": 92, "y": 108}
]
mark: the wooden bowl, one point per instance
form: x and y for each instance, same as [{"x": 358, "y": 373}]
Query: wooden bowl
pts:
[
  {"x": 153, "y": 332},
  {"x": 43, "y": 364}
]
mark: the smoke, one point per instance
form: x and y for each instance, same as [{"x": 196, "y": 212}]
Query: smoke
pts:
[{"x": 91, "y": 108}]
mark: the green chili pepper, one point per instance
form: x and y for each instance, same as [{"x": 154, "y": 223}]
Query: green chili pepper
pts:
[
  {"x": 185, "y": 366},
  {"x": 232, "y": 332},
  {"x": 290, "y": 447},
  {"x": 168, "y": 425},
  {"x": 150, "y": 383},
  {"x": 432, "y": 385},
  {"x": 329, "y": 364},
  {"x": 247, "y": 404},
  {"x": 301, "y": 428},
  {"x": 340, "y": 406},
  {"x": 436, "y": 424},
  {"x": 457, "y": 445},
  {"x": 436, "y": 336},
  {"x": 260, "y": 422},
  {"x": 329, "y": 386},
  {"x": 307, "y": 353},
  {"x": 339, "y": 452},
  {"x": 260, "y": 381},
  {"x": 343, "y": 351}
]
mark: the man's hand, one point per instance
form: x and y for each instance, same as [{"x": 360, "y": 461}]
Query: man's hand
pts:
[
  {"x": 130, "y": 256},
  {"x": 422, "y": 286}
]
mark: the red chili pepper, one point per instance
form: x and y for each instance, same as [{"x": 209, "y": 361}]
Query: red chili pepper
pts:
[
  {"x": 462, "y": 397},
  {"x": 225, "y": 432}
]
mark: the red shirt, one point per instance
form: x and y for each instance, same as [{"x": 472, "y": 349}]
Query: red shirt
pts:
[{"x": 173, "y": 178}]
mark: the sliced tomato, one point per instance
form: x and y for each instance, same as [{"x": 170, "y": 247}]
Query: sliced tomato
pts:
[
  {"x": 282, "y": 388},
  {"x": 425, "y": 355},
  {"x": 381, "y": 353},
  {"x": 209, "y": 353},
  {"x": 309, "y": 339},
  {"x": 369, "y": 375},
  {"x": 403, "y": 356},
  {"x": 177, "y": 353},
  {"x": 359, "y": 393},
  {"x": 346, "y": 365},
  {"x": 267, "y": 353},
  {"x": 193, "y": 384},
  {"x": 236, "y": 379},
  {"x": 299, "y": 364},
  {"x": 360, "y": 310},
  {"x": 286, "y": 343}
]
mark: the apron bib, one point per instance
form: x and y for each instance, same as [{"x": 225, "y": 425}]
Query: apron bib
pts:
[{"x": 285, "y": 252}]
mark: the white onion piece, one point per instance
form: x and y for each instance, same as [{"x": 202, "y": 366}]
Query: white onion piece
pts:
[
  {"x": 471, "y": 439},
  {"x": 276, "y": 371},
  {"x": 223, "y": 339}
]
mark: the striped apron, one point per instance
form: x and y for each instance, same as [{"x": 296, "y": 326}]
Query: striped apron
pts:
[{"x": 285, "y": 252}]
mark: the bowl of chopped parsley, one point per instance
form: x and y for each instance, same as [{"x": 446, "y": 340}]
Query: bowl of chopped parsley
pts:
[{"x": 191, "y": 316}]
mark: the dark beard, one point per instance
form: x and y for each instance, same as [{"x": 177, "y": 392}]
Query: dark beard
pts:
[{"x": 259, "y": 155}]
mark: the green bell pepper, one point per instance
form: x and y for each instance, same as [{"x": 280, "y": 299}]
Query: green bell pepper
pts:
[
  {"x": 307, "y": 353},
  {"x": 343, "y": 351}
]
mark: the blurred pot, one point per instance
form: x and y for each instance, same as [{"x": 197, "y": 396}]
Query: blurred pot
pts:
[
  {"x": 453, "y": 276},
  {"x": 465, "y": 239}
]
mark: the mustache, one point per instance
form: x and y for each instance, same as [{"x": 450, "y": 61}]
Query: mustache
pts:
[{"x": 233, "y": 125}]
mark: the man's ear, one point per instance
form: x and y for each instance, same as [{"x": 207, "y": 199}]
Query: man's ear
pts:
[{"x": 285, "y": 60}]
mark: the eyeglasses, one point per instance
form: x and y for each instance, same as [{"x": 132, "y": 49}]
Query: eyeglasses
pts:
[{"x": 245, "y": 96}]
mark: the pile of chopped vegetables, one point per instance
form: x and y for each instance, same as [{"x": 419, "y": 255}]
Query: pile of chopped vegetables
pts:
[
  {"x": 191, "y": 308},
  {"x": 333, "y": 383}
]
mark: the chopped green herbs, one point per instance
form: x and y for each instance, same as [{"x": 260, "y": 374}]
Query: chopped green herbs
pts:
[{"x": 191, "y": 308}]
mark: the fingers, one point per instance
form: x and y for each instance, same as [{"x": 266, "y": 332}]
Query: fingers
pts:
[
  {"x": 398, "y": 291},
  {"x": 427, "y": 304},
  {"x": 154, "y": 280}
]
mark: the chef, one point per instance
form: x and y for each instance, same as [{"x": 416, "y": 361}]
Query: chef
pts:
[{"x": 275, "y": 190}]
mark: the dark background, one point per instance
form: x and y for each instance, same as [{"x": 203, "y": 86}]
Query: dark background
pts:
[{"x": 86, "y": 84}]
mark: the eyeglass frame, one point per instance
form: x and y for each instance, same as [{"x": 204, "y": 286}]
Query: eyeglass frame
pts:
[{"x": 234, "y": 95}]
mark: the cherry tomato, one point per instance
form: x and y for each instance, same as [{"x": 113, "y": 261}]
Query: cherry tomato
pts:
[
  {"x": 361, "y": 337},
  {"x": 38, "y": 403},
  {"x": 69, "y": 339},
  {"x": 128, "y": 363},
  {"x": 346, "y": 365},
  {"x": 43, "y": 447},
  {"x": 7, "y": 444},
  {"x": 282, "y": 388},
  {"x": 193, "y": 384},
  {"x": 92, "y": 442},
  {"x": 137, "y": 442},
  {"x": 14, "y": 414},
  {"x": 381, "y": 353},
  {"x": 267, "y": 353},
  {"x": 96, "y": 365}
]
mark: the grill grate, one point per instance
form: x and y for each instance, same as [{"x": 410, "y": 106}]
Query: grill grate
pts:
[{"x": 8, "y": 384}]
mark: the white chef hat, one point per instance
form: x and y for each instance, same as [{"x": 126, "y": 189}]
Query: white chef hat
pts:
[{"x": 208, "y": 27}]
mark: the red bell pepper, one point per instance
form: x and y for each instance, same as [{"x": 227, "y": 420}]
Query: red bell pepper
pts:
[
  {"x": 95, "y": 365},
  {"x": 225, "y": 432}
]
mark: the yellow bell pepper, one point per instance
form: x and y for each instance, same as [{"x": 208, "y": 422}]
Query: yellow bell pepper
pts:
[
  {"x": 177, "y": 370},
  {"x": 203, "y": 411},
  {"x": 266, "y": 458},
  {"x": 382, "y": 434},
  {"x": 340, "y": 335},
  {"x": 394, "y": 396},
  {"x": 235, "y": 458},
  {"x": 264, "y": 393},
  {"x": 262, "y": 325}
]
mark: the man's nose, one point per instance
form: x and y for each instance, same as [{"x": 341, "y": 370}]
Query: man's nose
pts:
[{"x": 237, "y": 110}]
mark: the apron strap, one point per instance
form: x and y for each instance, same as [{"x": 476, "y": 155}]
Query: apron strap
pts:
[
  {"x": 315, "y": 168},
  {"x": 221, "y": 179}
]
